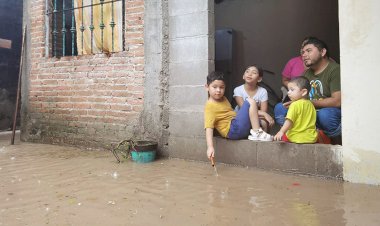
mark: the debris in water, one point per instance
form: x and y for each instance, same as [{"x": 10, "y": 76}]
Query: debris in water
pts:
[
  {"x": 111, "y": 202},
  {"x": 115, "y": 175},
  {"x": 13, "y": 158}
]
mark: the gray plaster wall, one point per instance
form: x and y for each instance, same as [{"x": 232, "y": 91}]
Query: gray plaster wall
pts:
[
  {"x": 155, "y": 120},
  {"x": 307, "y": 159},
  {"x": 25, "y": 72},
  {"x": 191, "y": 45}
]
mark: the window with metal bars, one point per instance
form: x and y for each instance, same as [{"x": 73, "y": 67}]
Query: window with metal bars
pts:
[{"x": 80, "y": 27}]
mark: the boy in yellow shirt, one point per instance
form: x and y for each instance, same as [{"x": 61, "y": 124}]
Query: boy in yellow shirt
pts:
[
  {"x": 299, "y": 126},
  {"x": 219, "y": 115}
]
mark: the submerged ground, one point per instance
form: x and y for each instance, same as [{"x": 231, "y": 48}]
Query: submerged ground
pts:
[{"x": 56, "y": 185}]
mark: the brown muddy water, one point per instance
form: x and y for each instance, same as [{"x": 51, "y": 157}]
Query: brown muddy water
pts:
[{"x": 56, "y": 185}]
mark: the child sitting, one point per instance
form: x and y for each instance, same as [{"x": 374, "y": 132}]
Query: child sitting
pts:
[
  {"x": 252, "y": 76},
  {"x": 220, "y": 115},
  {"x": 299, "y": 126}
]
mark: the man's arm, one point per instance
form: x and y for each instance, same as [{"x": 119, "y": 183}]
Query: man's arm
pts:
[
  {"x": 285, "y": 81},
  {"x": 333, "y": 101}
]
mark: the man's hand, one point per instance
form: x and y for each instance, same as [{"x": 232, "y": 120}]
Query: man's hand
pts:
[
  {"x": 278, "y": 136},
  {"x": 287, "y": 104},
  {"x": 210, "y": 152}
]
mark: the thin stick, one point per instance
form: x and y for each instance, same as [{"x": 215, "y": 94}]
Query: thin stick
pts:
[
  {"x": 18, "y": 87},
  {"x": 213, "y": 165}
]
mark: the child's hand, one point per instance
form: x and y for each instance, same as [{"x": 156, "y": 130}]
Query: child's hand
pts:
[
  {"x": 210, "y": 152},
  {"x": 251, "y": 100},
  {"x": 278, "y": 136}
]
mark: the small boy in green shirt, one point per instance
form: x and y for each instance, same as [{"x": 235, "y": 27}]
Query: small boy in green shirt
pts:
[{"x": 299, "y": 126}]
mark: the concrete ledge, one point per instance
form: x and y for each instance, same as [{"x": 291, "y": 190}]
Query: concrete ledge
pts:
[{"x": 307, "y": 159}]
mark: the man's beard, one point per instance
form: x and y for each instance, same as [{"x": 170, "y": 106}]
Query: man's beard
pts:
[{"x": 313, "y": 62}]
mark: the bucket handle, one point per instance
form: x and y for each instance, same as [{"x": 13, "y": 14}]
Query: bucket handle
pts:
[{"x": 131, "y": 145}]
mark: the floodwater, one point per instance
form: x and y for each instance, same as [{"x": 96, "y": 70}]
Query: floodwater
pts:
[{"x": 56, "y": 185}]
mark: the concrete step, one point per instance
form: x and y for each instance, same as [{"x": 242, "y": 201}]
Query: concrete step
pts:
[{"x": 307, "y": 159}]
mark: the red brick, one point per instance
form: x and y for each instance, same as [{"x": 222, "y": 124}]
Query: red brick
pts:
[{"x": 87, "y": 91}]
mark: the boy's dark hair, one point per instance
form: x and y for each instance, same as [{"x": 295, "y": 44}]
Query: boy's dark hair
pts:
[
  {"x": 317, "y": 43},
  {"x": 302, "y": 83},
  {"x": 215, "y": 75}
]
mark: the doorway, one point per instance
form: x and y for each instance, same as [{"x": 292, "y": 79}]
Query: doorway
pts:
[{"x": 269, "y": 33}]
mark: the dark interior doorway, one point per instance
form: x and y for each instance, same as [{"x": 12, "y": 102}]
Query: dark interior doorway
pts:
[
  {"x": 11, "y": 34},
  {"x": 269, "y": 33}
]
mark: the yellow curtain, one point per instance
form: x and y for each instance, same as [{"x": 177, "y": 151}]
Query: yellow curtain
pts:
[{"x": 85, "y": 18}]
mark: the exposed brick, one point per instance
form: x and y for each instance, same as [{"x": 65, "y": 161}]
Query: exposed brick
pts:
[{"x": 76, "y": 97}]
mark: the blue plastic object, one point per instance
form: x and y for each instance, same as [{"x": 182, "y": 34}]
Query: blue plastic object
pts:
[
  {"x": 143, "y": 156},
  {"x": 144, "y": 151}
]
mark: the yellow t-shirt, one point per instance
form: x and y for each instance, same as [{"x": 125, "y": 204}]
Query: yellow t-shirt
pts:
[
  {"x": 303, "y": 115},
  {"x": 218, "y": 115}
]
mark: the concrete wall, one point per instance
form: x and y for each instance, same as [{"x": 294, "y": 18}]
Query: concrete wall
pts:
[
  {"x": 155, "y": 118},
  {"x": 359, "y": 40},
  {"x": 191, "y": 58}
]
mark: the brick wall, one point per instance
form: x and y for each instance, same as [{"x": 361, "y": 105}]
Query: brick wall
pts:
[{"x": 85, "y": 100}]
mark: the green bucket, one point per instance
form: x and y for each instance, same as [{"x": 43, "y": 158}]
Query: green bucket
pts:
[{"x": 144, "y": 151}]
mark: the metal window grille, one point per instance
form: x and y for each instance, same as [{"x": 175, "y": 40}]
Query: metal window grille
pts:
[{"x": 67, "y": 37}]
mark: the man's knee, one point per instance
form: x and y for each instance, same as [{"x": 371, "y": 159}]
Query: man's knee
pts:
[
  {"x": 280, "y": 113},
  {"x": 329, "y": 120},
  {"x": 329, "y": 115}
]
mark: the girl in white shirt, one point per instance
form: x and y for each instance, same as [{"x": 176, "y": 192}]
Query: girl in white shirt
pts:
[{"x": 252, "y": 76}]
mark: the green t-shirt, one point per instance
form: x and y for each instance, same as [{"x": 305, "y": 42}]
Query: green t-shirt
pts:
[
  {"x": 303, "y": 115},
  {"x": 324, "y": 83}
]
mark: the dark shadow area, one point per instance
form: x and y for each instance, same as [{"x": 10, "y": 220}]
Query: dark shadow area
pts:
[
  {"x": 10, "y": 33},
  {"x": 269, "y": 33}
]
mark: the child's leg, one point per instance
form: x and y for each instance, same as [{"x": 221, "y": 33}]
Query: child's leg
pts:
[
  {"x": 257, "y": 133},
  {"x": 254, "y": 116},
  {"x": 264, "y": 124},
  {"x": 241, "y": 124},
  {"x": 285, "y": 138}
]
